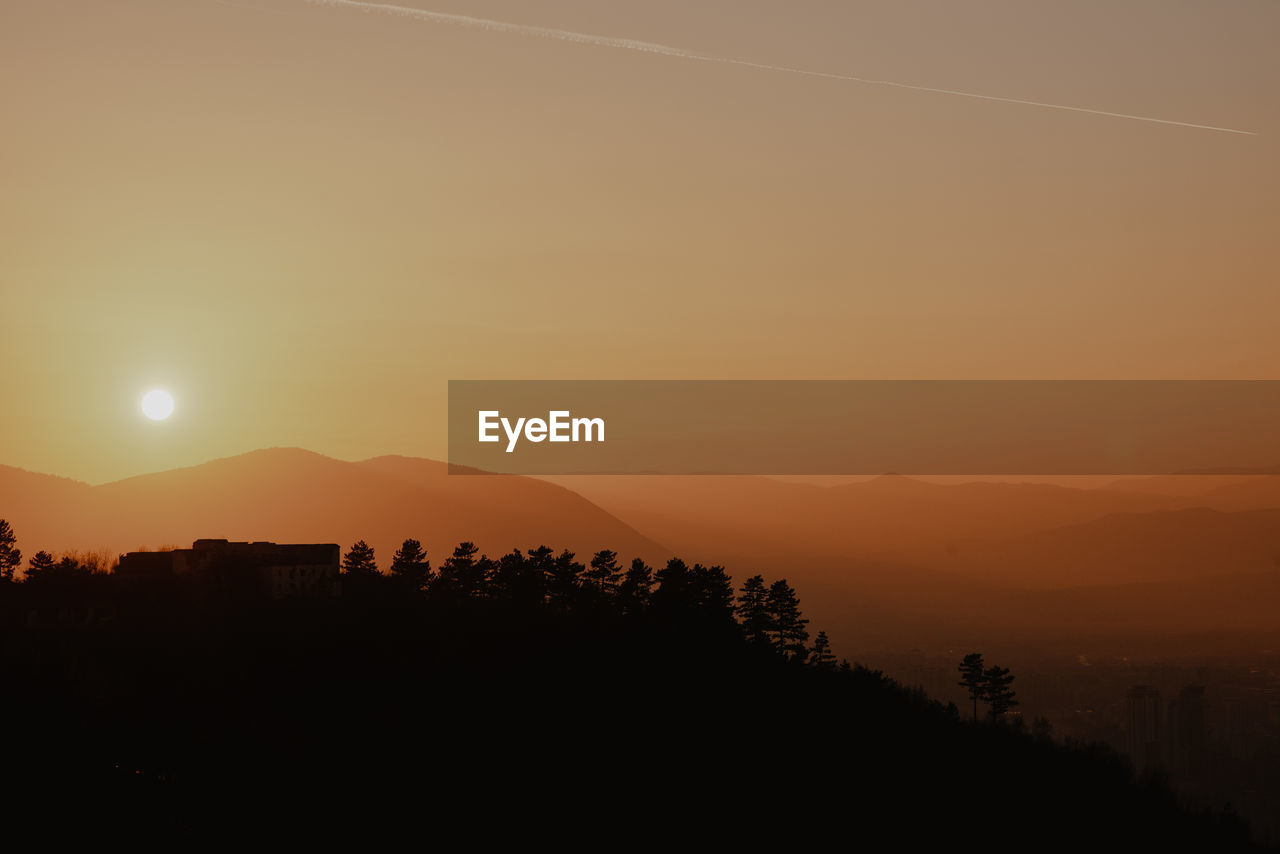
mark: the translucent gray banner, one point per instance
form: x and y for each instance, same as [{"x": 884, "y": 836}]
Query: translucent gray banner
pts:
[{"x": 853, "y": 427}]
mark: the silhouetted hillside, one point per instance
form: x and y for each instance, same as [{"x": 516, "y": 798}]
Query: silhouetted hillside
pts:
[{"x": 186, "y": 715}]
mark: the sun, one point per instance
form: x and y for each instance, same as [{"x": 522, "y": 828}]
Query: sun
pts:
[{"x": 157, "y": 404}]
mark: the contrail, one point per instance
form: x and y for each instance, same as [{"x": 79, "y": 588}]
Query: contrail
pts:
[{"x": 680, "y": 53}]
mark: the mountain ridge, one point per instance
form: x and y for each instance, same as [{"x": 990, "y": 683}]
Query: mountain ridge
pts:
[{"x": 284, "y": 494}]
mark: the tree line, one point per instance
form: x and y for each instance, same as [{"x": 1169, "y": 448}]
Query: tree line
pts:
[
  {"x": 43, "y": 565},
  {"x": 767, "y": 613}
]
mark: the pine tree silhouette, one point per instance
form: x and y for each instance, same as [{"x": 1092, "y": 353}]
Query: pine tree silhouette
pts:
[
  {"x": 605, "y": 572},
  {"x": 787, "y": 626},
  {"x": 461, "y": 574},
  {"x": 821, "y": 656},
  {"x": 40, "y": 565},
  {"x": 563, "y": 580},
  {"x": 635, "y": 588},
  {"x": 712, "y": 591},
  {"x": 539, "y": 563},
  {"x": 673, "y": 590},
  {"x": 973, "y": 678},
  {"x": 999, "y": 691},
  {"x": 69, "y": 568},
  {"x": 359, "y": 561},
  {"x": 753, "y": 609},
  {"x": 10, "y": 556},
  {"x": 482, "y": 573},
  {"x": 518, "y": 580},
  {"x": 410, "y": 566}
]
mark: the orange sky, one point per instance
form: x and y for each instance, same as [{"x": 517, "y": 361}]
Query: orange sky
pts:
[{"x": 304, "y": 220}]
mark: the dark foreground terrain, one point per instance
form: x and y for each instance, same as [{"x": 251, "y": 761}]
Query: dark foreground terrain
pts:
[{"x": 191, "y": 710}]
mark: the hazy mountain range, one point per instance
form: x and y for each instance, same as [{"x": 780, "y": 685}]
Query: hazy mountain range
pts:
[
  {"x": 884, "y": 561},
  {"x": 292, "y": 495}
]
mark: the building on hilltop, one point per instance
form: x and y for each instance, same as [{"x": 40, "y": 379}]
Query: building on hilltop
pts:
[{"x": 283, "y": 570}]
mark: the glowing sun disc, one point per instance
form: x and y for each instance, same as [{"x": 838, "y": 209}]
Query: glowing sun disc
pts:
[{"x": 157, "y": 404}]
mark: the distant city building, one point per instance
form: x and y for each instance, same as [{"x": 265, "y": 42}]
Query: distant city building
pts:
[
  {"x": 1246, "y": 724},
  {"x": 1189, "y": 733},
  {"x": 283, "y": 570},
  {"x": 1145, "y": 730}
]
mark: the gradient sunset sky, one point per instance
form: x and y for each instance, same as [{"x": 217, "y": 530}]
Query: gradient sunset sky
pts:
[{"x": 303, "y": 220}]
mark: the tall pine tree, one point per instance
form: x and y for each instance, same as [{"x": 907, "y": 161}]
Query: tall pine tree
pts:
[
  {"x": 635, "y": 588},
  {"x": 712, "y": 591},
  {"x": 787, "y": 625},
  {"x": 753, "y": 610},
  {"x": 999, "y": 691},
  {"x": 674, "y": 581},
  {"x": 359, "y": 561},
  {"x": 410, "y": 566},
  {"x": 564, "y": 580},
  {"x": 974, "y": 679},
  {"x": 461, "y": 574},
  {"x": 604, "y": 572}
]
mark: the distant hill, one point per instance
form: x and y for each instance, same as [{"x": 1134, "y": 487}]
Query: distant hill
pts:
[
  {"x": 896, "y": 561},
  {"x": 870, "y": 608},
  {"x": 1187, "y": 485},
  {"x": 889, "y": 518},
  {"x": 1126, "y": 548},
  {"x": 1250, "y": 493},
  {"x": 891, "y": 560},
  {"x": 292, "y": 495}
]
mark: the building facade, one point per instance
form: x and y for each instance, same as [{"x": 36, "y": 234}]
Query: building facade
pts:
[{"x": 291, "y": 570}]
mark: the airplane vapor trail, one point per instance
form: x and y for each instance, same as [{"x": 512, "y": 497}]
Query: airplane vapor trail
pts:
[{"x": 681, "y": 53}]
